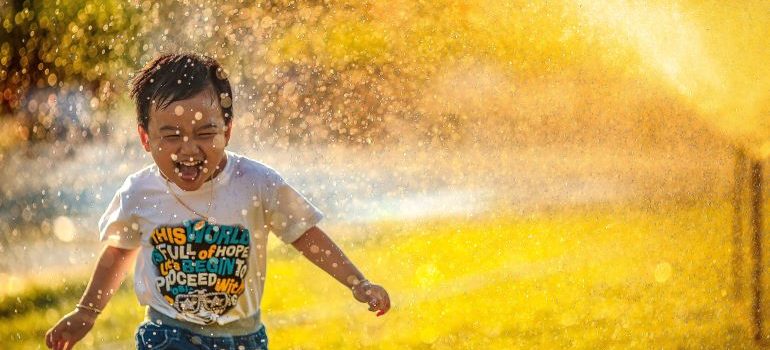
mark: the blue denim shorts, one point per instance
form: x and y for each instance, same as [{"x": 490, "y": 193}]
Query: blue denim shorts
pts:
[{"x": 154, "y": 336}]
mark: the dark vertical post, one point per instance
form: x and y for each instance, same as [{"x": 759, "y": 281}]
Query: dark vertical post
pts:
[
  {"x": 739, "y": 183},
  {"x": 756, "y": 245}
]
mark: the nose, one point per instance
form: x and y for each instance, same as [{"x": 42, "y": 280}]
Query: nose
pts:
[{"x": 189, "y": 148}]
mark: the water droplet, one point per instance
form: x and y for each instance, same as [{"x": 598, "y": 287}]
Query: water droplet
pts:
[
  {"x": 221, "y": 73},
  {"x": 64, "y": 229},
  {"x": 225, "y": 101}
]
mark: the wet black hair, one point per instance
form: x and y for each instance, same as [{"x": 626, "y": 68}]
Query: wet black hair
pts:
[{"x": 173, "y": 77}]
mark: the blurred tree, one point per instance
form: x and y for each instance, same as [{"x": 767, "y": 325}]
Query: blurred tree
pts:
[
  {"x": 309, "y": 71},
  {"x": 61, "y": 60}
]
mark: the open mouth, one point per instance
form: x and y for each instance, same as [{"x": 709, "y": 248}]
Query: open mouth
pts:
[{"x": 189, "y": 170}]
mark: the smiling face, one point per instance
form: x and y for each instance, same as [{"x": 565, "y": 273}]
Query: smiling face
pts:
[{"x": 187, "y": 139}]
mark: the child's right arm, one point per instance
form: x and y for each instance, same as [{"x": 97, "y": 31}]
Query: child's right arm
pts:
[{"x": 111, "y": 270}]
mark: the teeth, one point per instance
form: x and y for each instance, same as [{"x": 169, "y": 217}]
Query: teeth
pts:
[{"x": 190, "y": 163}]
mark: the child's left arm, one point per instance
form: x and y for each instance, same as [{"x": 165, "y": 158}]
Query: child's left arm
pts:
[{"x": 317, "y": 247}]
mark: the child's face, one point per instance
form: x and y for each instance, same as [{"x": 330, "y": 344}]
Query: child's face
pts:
[{"x": 187, "y": 139}]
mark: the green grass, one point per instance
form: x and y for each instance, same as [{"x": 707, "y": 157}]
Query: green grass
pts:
[{"x": 583, "y": 278}]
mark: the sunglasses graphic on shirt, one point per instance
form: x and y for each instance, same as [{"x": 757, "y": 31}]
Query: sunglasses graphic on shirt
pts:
[{"x": 215, "y": 302}]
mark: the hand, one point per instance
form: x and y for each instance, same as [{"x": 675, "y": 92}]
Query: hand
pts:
[
  {"x": 374, "y": 295},
  {"x": 70, "y": 329}
]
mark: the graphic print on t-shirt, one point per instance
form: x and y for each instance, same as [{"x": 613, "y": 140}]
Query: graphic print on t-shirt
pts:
[{"x": 201, "y": 266}]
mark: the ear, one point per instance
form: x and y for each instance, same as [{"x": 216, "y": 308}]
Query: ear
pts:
[
  {"x": 144, "y": 137},
  {"x": 228, "y": 128}
]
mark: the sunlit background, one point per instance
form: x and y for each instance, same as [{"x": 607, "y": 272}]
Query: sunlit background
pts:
[{"x": 556, "y": 174}]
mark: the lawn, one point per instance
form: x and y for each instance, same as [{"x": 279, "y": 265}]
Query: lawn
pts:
[{"x": 584, "y": 278}]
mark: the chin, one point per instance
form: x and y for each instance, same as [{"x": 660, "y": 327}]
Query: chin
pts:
[{"x": 188, "y": 188}]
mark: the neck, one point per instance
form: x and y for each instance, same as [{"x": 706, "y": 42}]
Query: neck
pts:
[{"x": 221, "y": 168}]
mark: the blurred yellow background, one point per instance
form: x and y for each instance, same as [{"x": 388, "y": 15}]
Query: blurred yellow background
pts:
[{"x": 553, "y": 174}]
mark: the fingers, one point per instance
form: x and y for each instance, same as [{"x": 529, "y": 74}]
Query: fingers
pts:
[
  {"x": 385, "y": 305},
  {"x": 53, "y": 339},
  {"x": 379, "y": 302},
  {"x": 66, "y": 344},
  {"x": 57, "y": 340},
  {"x": 377, "y": 298}
]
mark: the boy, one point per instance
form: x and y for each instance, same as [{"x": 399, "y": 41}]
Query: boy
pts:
[{"x": 197, "y": 220}]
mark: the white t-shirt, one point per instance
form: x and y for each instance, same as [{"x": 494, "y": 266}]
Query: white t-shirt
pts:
[{"x": 198, "y": 271}]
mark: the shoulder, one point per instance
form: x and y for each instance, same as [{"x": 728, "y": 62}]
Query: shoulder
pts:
[
  {"x": 140, "y": 180},
  {"x": 254, "y": 170}
]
